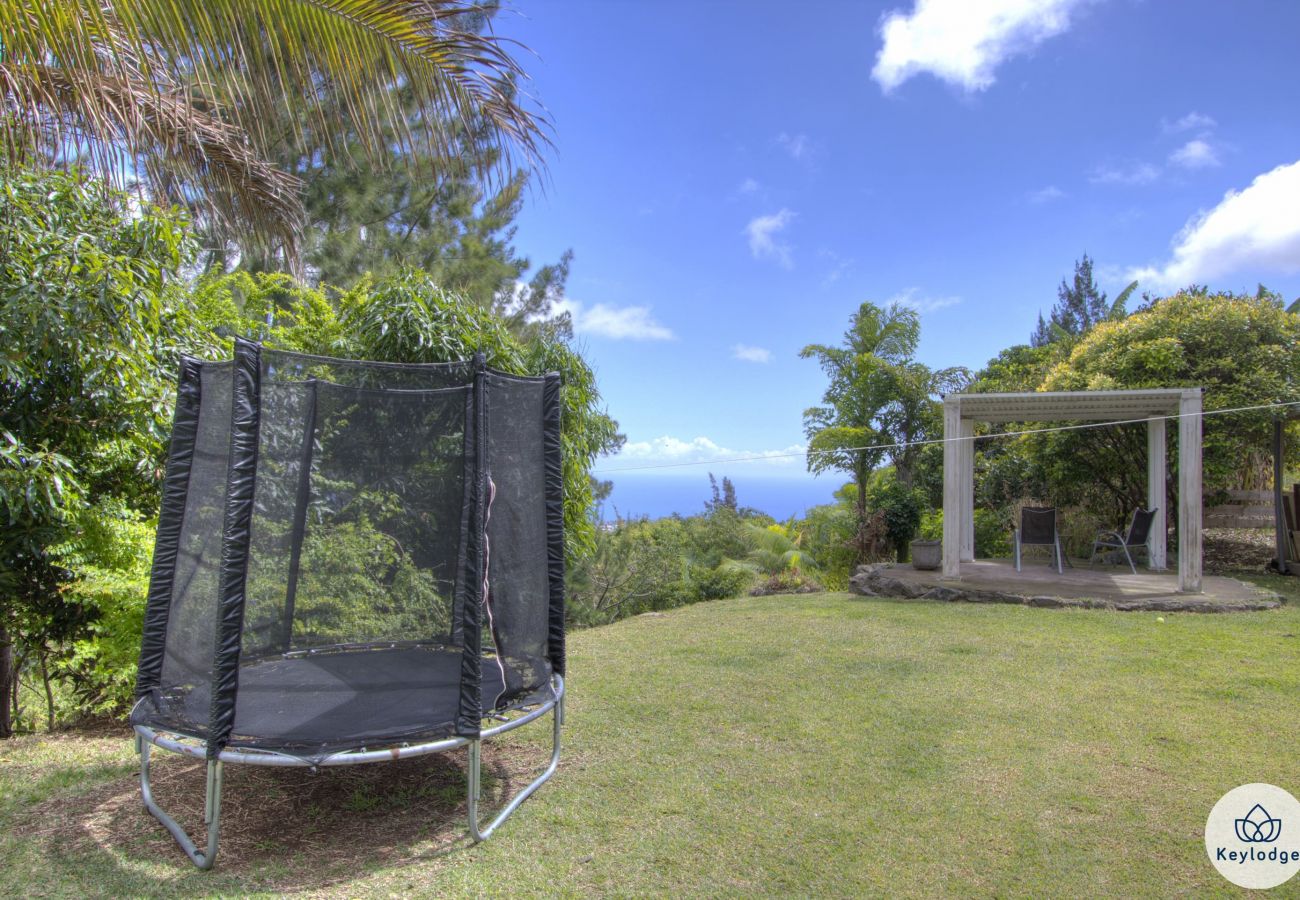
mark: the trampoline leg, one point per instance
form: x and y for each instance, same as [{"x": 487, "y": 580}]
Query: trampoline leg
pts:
[
  {"x": 211, "y": 810},
  {"x": 475, "y": 787}
]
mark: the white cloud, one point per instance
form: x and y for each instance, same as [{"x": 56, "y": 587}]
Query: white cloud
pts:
[
  {"x": 1134, "y": 174},
  {"x": 748, "y": 186},
  {"x": 630, "y": 323},
  {"x": 913, "y": 298},
  {"x": 797, "y": 145},
  {"x": 1195, "y": 154},
  {"x": 962, "y": 41},
  {"x": 751, "y": 354},
  {"x": 1046, "y": 195},
  {"x": 1256, "y": 228},
  {"x": 672, "y": 451},
  {"x": 1193, "y": 121},
  {"x": 762, "y": 233}
]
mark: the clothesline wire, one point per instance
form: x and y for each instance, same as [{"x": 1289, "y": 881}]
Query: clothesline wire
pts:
[{"x": 1079, "y": 426}]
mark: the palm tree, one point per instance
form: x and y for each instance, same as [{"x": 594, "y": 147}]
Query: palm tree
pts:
[
  {"x": 184, "y": 98},
  {"x": 848, "y": 432},
  {"x": 914, "y": 414}
]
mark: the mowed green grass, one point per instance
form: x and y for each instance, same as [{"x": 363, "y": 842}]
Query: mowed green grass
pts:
[{"x": 823, "y": 745}]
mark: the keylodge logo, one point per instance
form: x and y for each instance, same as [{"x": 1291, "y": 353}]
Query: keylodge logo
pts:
[{"x": 1258, "y": 827}]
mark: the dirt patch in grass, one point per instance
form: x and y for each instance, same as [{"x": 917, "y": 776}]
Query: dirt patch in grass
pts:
[{"x": 291, "y": 827}]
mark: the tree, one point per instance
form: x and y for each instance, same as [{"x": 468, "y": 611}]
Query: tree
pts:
[
  {"x": 1243, "y": 350},
  {"x": 90, "y": 324},
  {"x": 723, "y": 499},
  {"x": 915, "y": 415},
  {"x": 846, "y": 431},
  {"x": 186, "y": 96},
  {"x": 1080, "y": 305},
  {"x": 427, "y": 211}
]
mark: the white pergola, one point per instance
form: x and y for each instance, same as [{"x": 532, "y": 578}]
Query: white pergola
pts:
[{"x": 962, "y": 411}]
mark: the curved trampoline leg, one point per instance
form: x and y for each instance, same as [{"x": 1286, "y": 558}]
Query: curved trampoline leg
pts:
[
  {"x": 211, "y": 810},
  {"x": 482, "y": 833}
]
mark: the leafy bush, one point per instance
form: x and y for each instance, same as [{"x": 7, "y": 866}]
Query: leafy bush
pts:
[
  {"x": 718, "y": 583},
  {"x": 828, "y": 538},
  {"x": 637, "y": 567},
  {"x": 992, "y": 532},
  {"x": 111, "y": 554},
  {"x": 901, "y": 506},
  {"x": 91, "y": 321}
]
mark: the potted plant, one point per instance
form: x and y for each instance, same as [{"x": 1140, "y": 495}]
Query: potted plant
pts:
[
  {"x": 927, "y": 554},
  {"x": 927, "y": 549}
]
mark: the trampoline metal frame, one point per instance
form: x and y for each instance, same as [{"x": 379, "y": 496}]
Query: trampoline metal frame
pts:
[{"x": 147, "y": 738}]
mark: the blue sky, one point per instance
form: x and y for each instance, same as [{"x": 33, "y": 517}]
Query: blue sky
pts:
[{"x": 735, "y": 178}]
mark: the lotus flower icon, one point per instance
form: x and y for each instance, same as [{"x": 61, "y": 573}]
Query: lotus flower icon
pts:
[{"x": 1258, "y": 827}]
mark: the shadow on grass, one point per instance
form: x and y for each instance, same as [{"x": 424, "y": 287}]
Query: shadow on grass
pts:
[{"x": 282, "y": 829}]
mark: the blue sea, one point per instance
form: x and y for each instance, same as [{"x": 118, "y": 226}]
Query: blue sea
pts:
[{"x": 636, "y": 495}]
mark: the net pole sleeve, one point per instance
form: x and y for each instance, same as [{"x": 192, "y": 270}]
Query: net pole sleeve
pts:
[
  {"x": 552, "y": 448},
  {"x": 235, "y": 542},
  {"x": 469, "y": 718},
  {"x": 171, "y": 518}
]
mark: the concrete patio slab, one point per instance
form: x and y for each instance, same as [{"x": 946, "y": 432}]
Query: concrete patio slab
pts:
[{"x": 1038, "y": 584}]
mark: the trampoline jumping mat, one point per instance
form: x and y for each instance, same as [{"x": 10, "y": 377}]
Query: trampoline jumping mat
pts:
[{"x": 333, "y": 701}]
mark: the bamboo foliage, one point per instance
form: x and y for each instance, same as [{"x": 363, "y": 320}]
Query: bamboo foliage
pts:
[{"x": 182, "y": 97}]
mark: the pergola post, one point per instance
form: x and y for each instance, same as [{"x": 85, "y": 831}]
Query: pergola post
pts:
[
  {"x": 1279, "y": 508},
  {"x": 952, "y": 492},
  {"x": 966, "y": 447},
  {"x": 1157, "y": 473},
  {"x": 1189, "y": 492}
]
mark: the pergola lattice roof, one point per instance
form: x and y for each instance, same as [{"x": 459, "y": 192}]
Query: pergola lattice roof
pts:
[{"x": 1059, "y": 406}]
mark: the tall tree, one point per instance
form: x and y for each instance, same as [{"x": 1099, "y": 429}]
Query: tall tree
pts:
[
  {"x": 845, "y": 432},
  {"x": 378, "y": 221},
  {"x": 1079, "y": 306},
  {"x": 186, "y": 96}
]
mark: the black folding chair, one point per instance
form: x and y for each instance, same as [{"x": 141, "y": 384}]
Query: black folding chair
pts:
[
  {"x": 1112, "y": 542},
  {"x": 1038, "y": 526}
]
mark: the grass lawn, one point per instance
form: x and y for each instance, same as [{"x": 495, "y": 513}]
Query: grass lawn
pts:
[{"x": 818, "y": 745}]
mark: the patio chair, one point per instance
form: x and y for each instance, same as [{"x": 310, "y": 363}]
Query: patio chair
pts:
[
  {"x": 1038, "y": 526},
  {"x": 1112, "y": 542}
]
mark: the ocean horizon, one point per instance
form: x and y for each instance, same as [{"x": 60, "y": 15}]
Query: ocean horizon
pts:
[{"x": 656, "y": 496}]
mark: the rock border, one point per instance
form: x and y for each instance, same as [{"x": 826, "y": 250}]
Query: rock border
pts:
[{"x": 873, "y": 581}]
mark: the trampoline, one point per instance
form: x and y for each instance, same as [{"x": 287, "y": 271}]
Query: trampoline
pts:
[{"x": 355, "y": 562}]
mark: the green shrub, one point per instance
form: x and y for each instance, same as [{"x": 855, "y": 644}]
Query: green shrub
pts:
[
  {"x": 111, "y": 554},
  {"x": 719, "y": 582},
  {"x": 902, "y": 508},
  {"x": 992, "y": 532},
  {"x": 827, "y": 532}
]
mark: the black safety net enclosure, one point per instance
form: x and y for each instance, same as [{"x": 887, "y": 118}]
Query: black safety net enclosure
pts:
[{"x": 352, "y": 555}]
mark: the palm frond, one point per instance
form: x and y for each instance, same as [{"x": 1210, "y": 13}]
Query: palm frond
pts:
[{"x": 187, "y": 95}]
